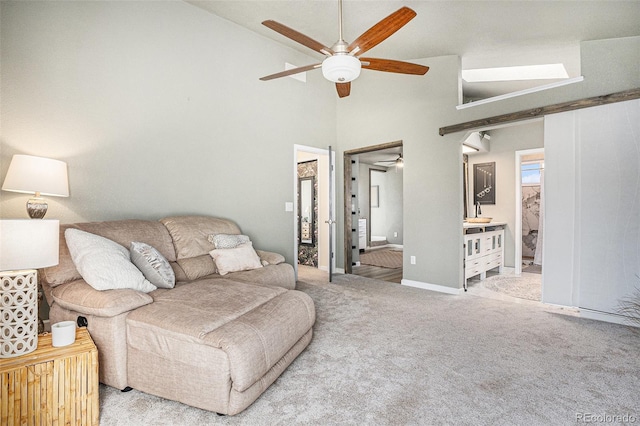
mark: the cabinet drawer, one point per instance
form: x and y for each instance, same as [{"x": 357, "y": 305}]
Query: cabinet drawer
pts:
[
  {"x": 493, "y": 264},
  {"x": 472, "y": 272}
]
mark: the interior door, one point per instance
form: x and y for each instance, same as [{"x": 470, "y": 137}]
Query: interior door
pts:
[{"x": 331, "y": 221}]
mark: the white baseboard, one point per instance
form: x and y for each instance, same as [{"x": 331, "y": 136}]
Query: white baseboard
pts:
[
  {"x": 432, "y": 287},
  {"x": 339, "y": 271},
  {"x": 606, "y": 317},
  {"x": 386, "y": 246}
]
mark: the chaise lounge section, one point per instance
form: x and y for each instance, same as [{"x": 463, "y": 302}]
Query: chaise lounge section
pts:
[{"x": 213, "y": 341}]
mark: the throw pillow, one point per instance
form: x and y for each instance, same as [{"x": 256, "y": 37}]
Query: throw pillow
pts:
[
  {"x": 227, "y": 241},
  {"x": 104, "y": 264},
  {"x": 153, "y": 265},
  {"x": 241, "y": 258}
]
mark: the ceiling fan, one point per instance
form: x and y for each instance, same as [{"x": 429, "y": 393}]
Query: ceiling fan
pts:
[
  {"x": 398, "y": 162},
  {"x": 343, "y": 63}
]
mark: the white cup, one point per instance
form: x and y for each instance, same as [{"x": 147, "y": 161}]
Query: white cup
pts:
[{"x": 63, "y": 333}]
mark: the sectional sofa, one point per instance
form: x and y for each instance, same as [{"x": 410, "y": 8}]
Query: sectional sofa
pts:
[{"x": 216, "y": 339}]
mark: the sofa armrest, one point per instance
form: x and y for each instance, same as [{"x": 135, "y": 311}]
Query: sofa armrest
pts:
[
  {"x": 270, "y": 257},
  {"x": 81, "y": 297}
]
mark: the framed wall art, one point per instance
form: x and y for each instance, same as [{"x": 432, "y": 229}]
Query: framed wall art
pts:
[{"x": 484, "y": 183}]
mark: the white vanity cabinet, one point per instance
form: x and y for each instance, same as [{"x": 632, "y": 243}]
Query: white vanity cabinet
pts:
[{"x": 483, "y": 250}]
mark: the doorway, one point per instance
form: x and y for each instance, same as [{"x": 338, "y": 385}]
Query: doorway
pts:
[
  {"x": 374, "y": 211},
  {"x": 311, "y": 207},
  {"x": 529, "y": 216}
]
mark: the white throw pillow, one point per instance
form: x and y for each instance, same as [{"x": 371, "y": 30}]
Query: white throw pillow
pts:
[
  {"x": 227, "y": 241},
  {"x": 241, "y": 258},
  {"x": 104, "y": 264},
  {"x": 153, "y": 265}
]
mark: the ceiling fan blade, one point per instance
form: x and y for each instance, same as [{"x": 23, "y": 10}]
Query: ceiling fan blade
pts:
[
  {"x": 343, "y": 89},
  {"x": 298, "y": 37},
  {"x": 290, "y": 72},
  {"x": 390, "y": 65},
  {"x": 381, "y": 31}
]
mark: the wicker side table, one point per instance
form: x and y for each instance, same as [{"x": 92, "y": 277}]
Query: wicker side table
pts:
[{"x": 51, "y": 385}]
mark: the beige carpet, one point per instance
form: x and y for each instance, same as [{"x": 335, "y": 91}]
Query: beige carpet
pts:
[
  {"x": 385, "y": 354},
  {"x": 386, "y": 258}
]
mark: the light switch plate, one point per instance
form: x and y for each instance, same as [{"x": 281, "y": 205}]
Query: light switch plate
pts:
[{"x": 288, "y": 206}]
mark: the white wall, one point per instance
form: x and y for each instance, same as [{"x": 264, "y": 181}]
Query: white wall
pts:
[
  {"x": 504, "y": 143},
  {"x": 592, "y": 236},
  {"x": 158, "y": 110},
  {"x": 386, "y": 219}
]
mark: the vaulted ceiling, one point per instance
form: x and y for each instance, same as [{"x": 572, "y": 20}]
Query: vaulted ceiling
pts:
[{"x": 483, "y": 33}]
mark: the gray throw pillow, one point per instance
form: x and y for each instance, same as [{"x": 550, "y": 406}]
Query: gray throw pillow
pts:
[
  {"x": 104, "y": 264},
  {"x": 227, "y": 241},
  {"x": 153, "y": 265}
]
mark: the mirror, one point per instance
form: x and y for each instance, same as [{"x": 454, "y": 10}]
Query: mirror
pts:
[{"x": 306, "y": 211}]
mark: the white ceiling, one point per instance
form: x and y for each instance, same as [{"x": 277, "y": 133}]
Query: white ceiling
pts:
[{"x": 483, "y": 33}]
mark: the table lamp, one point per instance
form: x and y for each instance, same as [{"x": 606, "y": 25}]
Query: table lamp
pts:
[
  {"x": 39, "y": 176},
  {"x": 24, "y": 246}
]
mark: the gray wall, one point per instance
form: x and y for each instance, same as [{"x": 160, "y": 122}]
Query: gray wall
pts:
[
  {"x": 504, "y": 143},
  {"x": 158, "y": 110},
  {"x": 387, "y": 107}
]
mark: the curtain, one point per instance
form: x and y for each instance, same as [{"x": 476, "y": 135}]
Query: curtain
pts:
[{"x": 537, "y": 259}]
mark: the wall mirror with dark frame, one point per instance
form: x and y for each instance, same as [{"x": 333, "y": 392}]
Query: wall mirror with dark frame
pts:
[{"x": 306, "y": 211}]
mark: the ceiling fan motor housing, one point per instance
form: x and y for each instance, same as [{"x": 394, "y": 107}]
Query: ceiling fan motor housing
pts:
[{"x": 341, "y": 68}]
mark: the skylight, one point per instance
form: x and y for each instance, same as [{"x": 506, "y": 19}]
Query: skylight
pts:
[{"x": 526, "y": 72}]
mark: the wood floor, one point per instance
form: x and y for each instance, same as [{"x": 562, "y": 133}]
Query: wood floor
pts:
[{"x": 384, "y": 274}]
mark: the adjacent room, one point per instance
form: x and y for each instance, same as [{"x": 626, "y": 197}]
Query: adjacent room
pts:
[{"x": 319, "y": 212}]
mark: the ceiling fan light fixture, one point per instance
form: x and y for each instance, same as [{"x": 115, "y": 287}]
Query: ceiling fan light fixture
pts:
[
  {"x": 399, "y": 162},
  {"x": 341, "y": 68}
]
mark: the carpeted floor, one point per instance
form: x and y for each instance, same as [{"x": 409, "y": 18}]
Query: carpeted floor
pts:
[
  {"x": 386, "y": 258},
  {"x": 385, "y": 354}
]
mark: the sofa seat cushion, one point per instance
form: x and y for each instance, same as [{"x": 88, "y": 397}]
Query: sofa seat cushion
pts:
[{"x": 254, "y": 326}]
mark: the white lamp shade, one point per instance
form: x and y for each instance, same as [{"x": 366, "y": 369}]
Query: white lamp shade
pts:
[
  {"x": 28, "y": 244},
  {"x": 341, "y": 68},
  {"x": 29, "y": 174}
]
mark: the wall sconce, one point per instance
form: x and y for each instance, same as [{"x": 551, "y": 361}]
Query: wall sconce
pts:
[
  {"x": 25, "y": 245},
  {"x": 39, "y": 176}
]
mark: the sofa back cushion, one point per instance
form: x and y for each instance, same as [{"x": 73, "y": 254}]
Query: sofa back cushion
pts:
[
  {"x": 190, "y": 236},
  {"x": 122, "y": 232}
]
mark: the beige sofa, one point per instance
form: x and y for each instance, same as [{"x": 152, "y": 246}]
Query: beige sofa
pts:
[{"x": 213, "y": 342}]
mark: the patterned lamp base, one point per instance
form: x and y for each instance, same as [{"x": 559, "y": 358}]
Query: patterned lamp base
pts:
[{"x": 18, "y": 312}]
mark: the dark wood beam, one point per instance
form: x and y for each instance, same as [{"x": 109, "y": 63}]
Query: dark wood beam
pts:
[{"x": 529, "y": 114}]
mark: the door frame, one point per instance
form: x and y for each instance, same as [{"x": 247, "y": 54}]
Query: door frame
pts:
[
  {"x": 348, "y": 220},
  {"x": 319, "y": 152},
  {"x": 518, "y": 224}
]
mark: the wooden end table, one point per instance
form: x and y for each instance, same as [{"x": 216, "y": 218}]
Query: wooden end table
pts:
[{"x": 51, "y": 385}]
